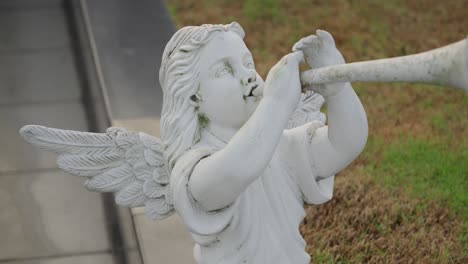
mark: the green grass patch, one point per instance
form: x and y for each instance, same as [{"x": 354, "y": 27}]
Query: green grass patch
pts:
[
  {"x": 425, "y": 169},
  {"x": 262, "y": 9},
  {"x": 172, "y": 9}
]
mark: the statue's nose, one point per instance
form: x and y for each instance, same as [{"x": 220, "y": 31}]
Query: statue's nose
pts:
[{"x": 249, "y": 78}]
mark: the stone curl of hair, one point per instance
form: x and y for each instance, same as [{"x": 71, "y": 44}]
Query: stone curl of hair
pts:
[{"x": 179, "y": 80}]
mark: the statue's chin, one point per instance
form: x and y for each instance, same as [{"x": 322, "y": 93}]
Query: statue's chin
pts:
[
  {"x": 252, "y": 103},
  {"x": 253, "y": 99}
]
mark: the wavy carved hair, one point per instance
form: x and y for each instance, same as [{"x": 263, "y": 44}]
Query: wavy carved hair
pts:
[{"x": 179, "y": 79}]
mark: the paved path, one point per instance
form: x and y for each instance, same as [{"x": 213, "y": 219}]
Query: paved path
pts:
[{"x": 47, "y": 216}]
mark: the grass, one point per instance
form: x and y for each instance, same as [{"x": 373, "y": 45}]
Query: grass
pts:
[
  {"x": 262, "y": 9},
  {"x": 424, "y": 169},
  {"x": 404, "y": 200},
  {"x": 367, "y": 223}
]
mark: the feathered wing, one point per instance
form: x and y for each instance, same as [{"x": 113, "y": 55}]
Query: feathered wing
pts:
[
  {"x": 308, "y": 110},
  {"x": 129, "y": 164}
]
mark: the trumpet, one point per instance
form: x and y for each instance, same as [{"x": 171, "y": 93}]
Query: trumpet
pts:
[{"x": 447, "y": 66}]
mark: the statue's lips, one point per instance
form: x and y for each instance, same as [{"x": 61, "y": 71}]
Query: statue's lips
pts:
[
  {"x": 254, "y": 93},
  {"x": 250, "y": 91}
]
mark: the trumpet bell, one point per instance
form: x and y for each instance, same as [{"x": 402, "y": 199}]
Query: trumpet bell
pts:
[{"x": 446, "y": 66}]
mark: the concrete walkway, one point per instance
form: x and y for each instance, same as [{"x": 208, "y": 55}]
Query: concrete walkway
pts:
[{"x": 46, "y": 215}]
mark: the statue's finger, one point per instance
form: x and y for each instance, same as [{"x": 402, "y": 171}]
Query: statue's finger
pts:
[
  {"x": 305, "y": 43},
  {"x": 310, "y": 39},
  {"x": 297, "y": 56},
  {"x": 299, "y": 45},
  {"x": 325, "y": 36}
]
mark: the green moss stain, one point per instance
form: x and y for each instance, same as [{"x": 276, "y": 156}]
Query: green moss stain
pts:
[{"x": 203, "y": 120}]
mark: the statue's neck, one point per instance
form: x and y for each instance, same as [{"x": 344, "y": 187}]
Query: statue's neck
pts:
[{"x": 216, "y": 135}]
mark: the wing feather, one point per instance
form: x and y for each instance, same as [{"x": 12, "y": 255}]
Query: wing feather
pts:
[
  {"x": 88, "y": 165},
  {"x": 154, "y": 190},
  {"x": 144, "y": 174},
  {"x": 153, "y": 158},
  {"x": 161, "y": 175},
  {"x": 67, "y": 141},
  {"x": 132, "y": 195},
  {"x": 127, "y": 163},
  {"x": 158, "y": 209},
  {"x": 308, "y": 110},
  {"x": 111, "y": 181},
  {"x": 152, "y": 143},
  {"x": 135, "y": 156}
]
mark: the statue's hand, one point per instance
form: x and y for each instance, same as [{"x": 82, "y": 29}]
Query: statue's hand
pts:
[
  {"x": 282, "y": 83},
  {"x": 320, "y": 51}
]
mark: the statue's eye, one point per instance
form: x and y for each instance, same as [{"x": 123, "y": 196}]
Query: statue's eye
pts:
[
  {"x": 250, "y": 65},
  {"x": 224, "y": 71}
]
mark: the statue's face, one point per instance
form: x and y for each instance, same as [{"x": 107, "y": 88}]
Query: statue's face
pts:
[{"x": 230, "y": 88}]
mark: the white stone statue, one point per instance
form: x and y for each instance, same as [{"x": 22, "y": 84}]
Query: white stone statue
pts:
[{"x": 238, "y": 157}]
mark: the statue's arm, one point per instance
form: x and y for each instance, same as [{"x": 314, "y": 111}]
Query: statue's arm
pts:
[
  {"x": 333, "y": 147},
  {"x": 219, "y": 179}
]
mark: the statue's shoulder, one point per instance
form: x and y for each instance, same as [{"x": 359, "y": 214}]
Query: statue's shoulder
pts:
[{"x": 190, "y": 158}]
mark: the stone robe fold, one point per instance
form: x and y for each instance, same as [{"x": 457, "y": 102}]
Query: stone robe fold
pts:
[{"x": 262, "y": 225}]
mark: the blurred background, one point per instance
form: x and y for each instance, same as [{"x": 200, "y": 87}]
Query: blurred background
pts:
[{"x": 86, "y": 65}]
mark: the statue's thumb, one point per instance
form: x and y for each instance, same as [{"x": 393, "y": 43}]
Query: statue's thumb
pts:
[{"x": 298, "y": 56}]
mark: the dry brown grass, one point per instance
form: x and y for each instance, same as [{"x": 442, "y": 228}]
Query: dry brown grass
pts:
[{"x": 365, "y": 223}]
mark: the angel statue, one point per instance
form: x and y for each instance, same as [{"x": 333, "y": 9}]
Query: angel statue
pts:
[{"x": 238, "y": 157}]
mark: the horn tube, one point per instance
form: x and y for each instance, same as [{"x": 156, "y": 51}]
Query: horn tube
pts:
[{"x": 446, "y": 66}]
